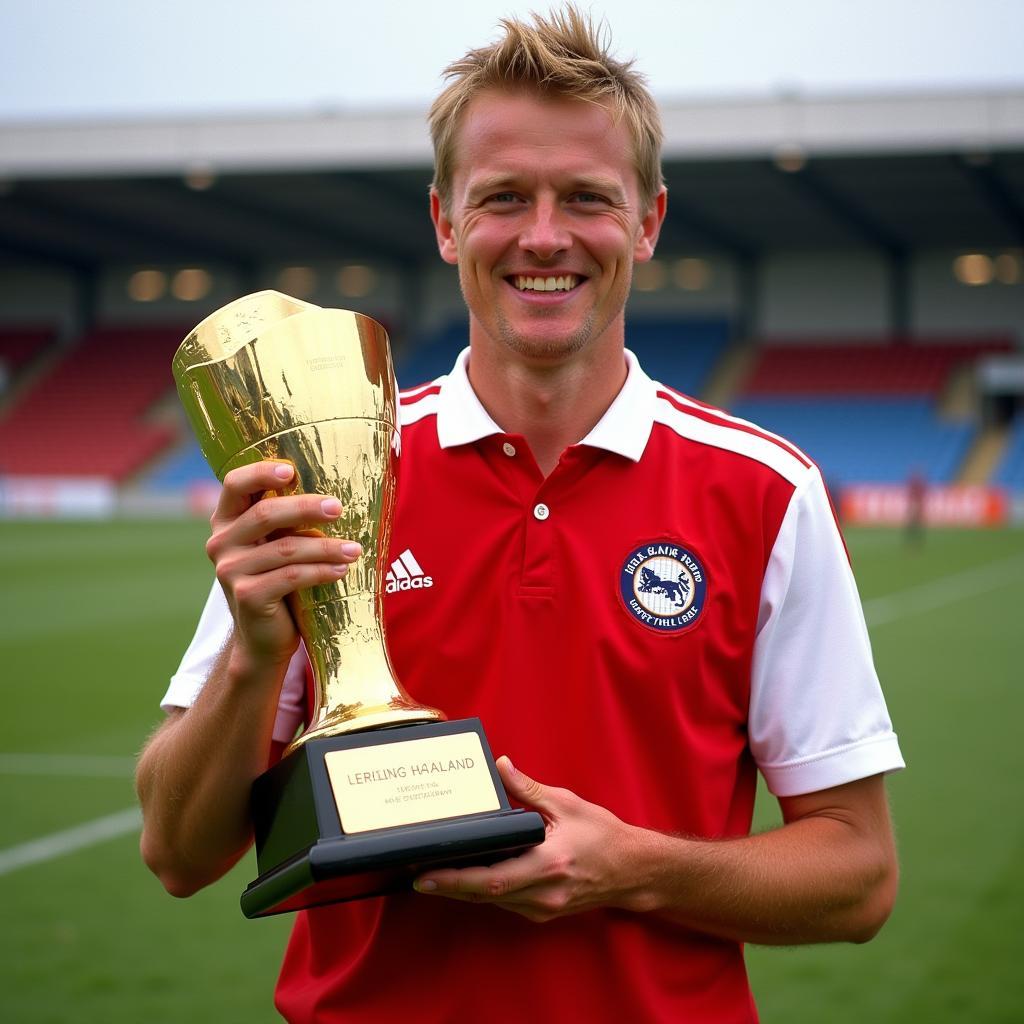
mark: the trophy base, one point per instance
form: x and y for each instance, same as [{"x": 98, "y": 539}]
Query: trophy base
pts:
[{"x": 347, "y": 817}]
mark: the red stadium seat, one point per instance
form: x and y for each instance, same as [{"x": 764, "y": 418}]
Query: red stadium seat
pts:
[{"x": 86, "y": 416}]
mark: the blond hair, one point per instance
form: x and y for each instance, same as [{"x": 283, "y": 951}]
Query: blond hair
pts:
[{"x": 563, "y": 55}]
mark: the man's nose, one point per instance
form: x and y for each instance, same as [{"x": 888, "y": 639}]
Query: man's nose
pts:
[{"x": 546, "y": 233}]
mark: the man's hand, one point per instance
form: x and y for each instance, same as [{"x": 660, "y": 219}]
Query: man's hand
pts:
[
  {"x": 195, "y": 776},
  {"x": 265, "y": 549},
  {"x": 829, "y": 874},
  {"x": 583, "y": 862}
]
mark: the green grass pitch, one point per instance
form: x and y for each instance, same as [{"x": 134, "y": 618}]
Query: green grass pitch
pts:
[{"x": 94, "y": 619}]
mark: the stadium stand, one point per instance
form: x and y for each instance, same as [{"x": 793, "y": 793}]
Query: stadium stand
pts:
[
  {"x": 184, "y": 466},
  {"x": 902, "y": 367},
  {"x": 20, "y": 346},
  {"x": 85, "y": 417},
  {"x": 866, "y": 439},
  {"x": 1010, "y": 472},
  {"x": 680, "y": 352},
  {"x": 868, "y": 411},
  {"x": 430, "y": 355}
]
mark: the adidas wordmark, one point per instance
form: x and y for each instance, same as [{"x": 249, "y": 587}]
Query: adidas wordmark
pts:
[{"x": 405, "y": 574}]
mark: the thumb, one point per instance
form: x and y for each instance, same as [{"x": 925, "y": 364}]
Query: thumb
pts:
[{"x": 524, "y": 789}]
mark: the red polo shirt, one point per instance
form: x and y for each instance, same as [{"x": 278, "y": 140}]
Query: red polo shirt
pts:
[{"x": 668, "y": 612}]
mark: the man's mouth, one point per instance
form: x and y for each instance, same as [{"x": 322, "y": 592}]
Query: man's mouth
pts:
[{"x": 559, "y": 283}]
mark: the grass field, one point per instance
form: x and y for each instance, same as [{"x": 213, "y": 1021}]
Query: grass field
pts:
[{"x": 95, "y": 617}]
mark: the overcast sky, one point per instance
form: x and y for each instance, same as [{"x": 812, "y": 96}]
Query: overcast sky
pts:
[{"x": 72, "y": 58}]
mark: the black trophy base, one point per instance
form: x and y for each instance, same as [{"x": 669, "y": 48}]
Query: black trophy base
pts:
[{"x": 331, "y": 818}]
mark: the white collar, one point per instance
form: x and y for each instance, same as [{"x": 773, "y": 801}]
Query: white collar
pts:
[{"x": 623, "y": 429}]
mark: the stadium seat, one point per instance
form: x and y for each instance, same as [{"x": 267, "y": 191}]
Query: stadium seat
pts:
[
  {"x": 1010, "y": 471},
  {"x": 86, "y": 416},
  {"x": 904, "y": 367}
]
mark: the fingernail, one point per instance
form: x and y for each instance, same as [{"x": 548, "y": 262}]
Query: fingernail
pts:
[
  {"x": 283, "y": 471},
  {"x": 426, "y": 885},
  {"x": 350, "y": 549},
  {"x": 340, "y": 570},
  {"x": 511, "y": 767},
  {"x": 330, "y": 507}
]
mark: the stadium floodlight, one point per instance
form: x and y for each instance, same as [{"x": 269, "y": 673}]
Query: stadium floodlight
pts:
[
  {"x": 298, "y": 281},
  {"x": 691, "y": 274},
  {"x": 1008, "y": 268},
  {"x": 191, "y": 284},
  {"x": 147, "y": 285},
  {"x": 650, "y": 276},
  {"x": 790, "y": 158},
  {"x": 356, "y": 280},
  {"x": 200, "y": 177},
  {"x": 974, "y": 268}
]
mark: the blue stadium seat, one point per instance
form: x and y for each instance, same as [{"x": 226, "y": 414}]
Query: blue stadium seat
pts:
[
  {"x": 430, "y": 356},
  {"x": 678, "y": 352},
  {"x": 1010, "y": 472},
  {"x": 186, "y": 466},
  {"x": 866, "y": 440}
]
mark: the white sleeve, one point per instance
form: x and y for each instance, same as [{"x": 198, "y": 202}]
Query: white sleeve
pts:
[
  {"x": 212, "y": 633},
  {"x": 817, "y": 715}
]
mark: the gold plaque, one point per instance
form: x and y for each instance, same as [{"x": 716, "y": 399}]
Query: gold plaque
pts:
[{"x": 411, "y": 781}]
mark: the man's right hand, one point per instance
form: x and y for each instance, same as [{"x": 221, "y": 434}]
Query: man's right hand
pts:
[{"x": 261, "y": 558}]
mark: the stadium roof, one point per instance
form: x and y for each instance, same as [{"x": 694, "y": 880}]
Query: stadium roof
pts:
[{"x": 896, "y": 173}]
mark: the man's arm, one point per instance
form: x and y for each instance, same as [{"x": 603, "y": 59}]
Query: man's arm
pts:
[
  {"x": 828, "y": 874},
  {"x": 195, "y": 774}
]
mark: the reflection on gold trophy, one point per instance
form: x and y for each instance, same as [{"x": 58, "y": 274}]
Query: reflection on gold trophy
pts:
[{"x": 272, "y": 377}]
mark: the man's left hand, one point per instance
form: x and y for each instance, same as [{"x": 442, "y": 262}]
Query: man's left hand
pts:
[{"x": 583, "y": 863}]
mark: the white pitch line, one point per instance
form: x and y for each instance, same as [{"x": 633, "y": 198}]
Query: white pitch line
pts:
[
  {"x": 96, "y": 766},
  {"x": 59, "y": 843},
  {"x": 957, "y": 586}
]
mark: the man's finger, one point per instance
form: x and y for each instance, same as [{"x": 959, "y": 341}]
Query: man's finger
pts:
[
  {"x": 262, "y": 592},
  {"x": 246, "y": 483},
  {"x": 298, "y": 512},
  {"x": 522, "y": 788},
  {"x": 483, "y": 883},
  {"x": 289, "y": 549}
]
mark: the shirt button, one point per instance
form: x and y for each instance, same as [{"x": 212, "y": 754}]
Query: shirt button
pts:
[
  {"x": 508, "y": 449},
  {"x": 541, "y": 511}
]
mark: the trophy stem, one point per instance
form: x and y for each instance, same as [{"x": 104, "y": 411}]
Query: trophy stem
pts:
[{"x": 356, "y": 687}]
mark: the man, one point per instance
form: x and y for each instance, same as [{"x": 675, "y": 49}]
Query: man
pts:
[{"x": 645, "y": 601}]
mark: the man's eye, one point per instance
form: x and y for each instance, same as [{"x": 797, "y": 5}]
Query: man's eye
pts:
[
  {"x": 588, "y": 197},
  {"x": 503, "y": 197}
]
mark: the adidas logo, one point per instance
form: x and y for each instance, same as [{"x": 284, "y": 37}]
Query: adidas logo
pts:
[{"x": 405, "y": 574}]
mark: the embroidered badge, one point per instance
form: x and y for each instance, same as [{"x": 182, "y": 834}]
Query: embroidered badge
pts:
[{"x": 664, "y": 586}]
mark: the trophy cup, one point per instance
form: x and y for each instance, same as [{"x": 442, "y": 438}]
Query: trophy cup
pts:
[{"x": 350, "y": 810}]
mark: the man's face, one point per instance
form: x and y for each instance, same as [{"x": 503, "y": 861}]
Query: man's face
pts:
[{"x": 545, "y": 223}]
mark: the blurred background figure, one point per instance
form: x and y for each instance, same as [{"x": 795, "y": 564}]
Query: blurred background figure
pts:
[{"x": 917, "y": 490}]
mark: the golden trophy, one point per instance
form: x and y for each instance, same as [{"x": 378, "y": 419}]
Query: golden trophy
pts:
[{"x": 348, "y": 811}]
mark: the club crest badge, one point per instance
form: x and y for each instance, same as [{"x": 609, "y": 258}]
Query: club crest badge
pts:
[{"x": 664, "y": 586}]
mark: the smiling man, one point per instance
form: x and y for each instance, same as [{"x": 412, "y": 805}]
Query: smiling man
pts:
[
  {"x": 645, "y": 600},
  {"x": 544, "y": 215}
]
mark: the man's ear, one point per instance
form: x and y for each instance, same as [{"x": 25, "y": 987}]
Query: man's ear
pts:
[
  {"x": 650, "y": 227},
  {"x": 443, "y": 229}
]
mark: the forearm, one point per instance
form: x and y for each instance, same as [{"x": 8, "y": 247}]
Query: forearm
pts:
[
  {"x": 813, "y": 880},
  {"x": 194, "y": 776},
  {"x": 828, "y": 875}
]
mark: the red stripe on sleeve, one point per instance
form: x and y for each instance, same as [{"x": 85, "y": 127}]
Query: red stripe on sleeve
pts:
[{"x": 709, "y": 415}]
